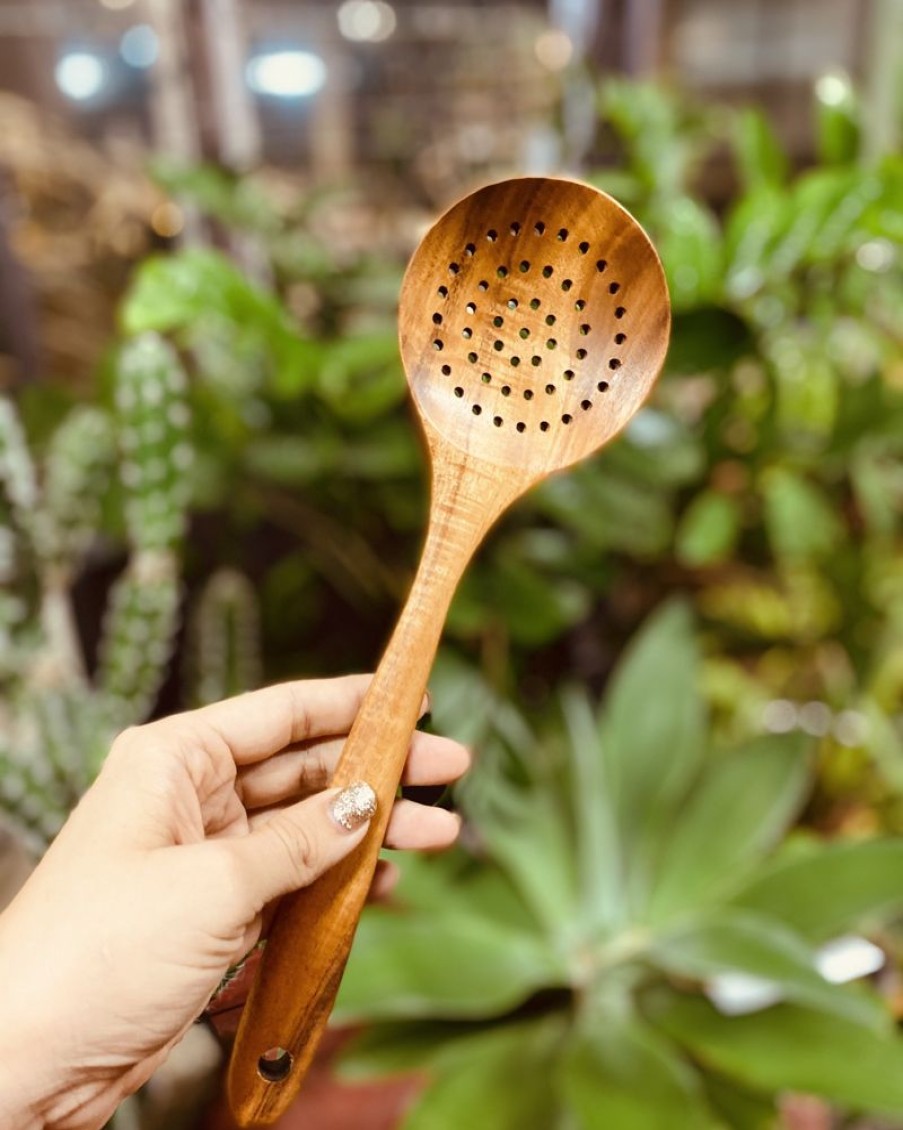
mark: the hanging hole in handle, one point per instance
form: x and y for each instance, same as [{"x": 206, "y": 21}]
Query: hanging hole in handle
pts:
[{"x": 275, "y": 1065}]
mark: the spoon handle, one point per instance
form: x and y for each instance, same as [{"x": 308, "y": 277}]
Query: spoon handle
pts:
[{"x": 309, "y": 941}]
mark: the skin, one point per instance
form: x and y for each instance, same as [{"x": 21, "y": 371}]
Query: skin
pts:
[{"x": 160, "y": 880}]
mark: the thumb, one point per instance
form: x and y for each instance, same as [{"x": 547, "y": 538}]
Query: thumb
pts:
[{"x": 296, "y": 845}]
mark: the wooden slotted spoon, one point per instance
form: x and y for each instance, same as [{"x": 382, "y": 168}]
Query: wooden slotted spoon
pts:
[{"x": 534, "y": 321}]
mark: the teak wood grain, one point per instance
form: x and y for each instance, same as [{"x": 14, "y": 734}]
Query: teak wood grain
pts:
[{"x": 533, "y": 322}]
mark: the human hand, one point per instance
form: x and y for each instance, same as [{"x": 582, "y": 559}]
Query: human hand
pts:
[{"x": 157, "y": 884}]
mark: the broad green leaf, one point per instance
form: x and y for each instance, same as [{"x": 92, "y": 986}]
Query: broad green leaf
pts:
[
  {"x": 595, "y": 819},
  {"x": 753, "y": 226},
  {"x": 759, "y": 153},
  {"x": 498, "y": 1080},
  {"x": 800, "y": 520},
  {"x": 738, "y": 811},
  {"x": 812, "y": 198},
  {"x": 832, "y": 889},
  {"x": 708, "y": 530},
  {"x": 527, "y": 831},
  {"x": 837, "y": 119},
  {"x": 653, "y": 721},
  {"x": 789, "y": 1048},
  {"x": 731, "y": 941},
  {"x": 689, "y": 243},
  {"x": 386, "y": 1049},
  {"x": 622, "y": 1074},
  {"x": 739, "y": 1108},
  {"x": 442, "y": 964}
]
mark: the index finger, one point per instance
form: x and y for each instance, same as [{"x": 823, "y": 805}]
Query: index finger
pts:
[{"x": 260, "y": 723}]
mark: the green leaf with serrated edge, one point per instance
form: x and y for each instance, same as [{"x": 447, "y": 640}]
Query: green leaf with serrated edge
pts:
[
  {"x": 481, "y": 968},
  {"x": 498, "y": 1080},
  {"x": 653, "y": 720},
  {"x": 737, "y": 941},
  {"x": 738, "y": 811},
  {"x": 619, "y": 1072},
  {"x": 830, "y": 889},
  {"x": 788, "y": 1047}
]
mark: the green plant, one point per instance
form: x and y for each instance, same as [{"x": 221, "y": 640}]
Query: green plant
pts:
[
  {"x": 59, "y": 716},
  {"x": 554, "y": 973}
]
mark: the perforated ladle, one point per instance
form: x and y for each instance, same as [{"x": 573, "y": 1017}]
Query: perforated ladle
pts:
[{"x": 533, "y": 322}]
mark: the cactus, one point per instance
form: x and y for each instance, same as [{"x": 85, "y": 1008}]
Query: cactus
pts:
[
  {"x": 58, "y": 723},
  {"x": 153, "y": 414},
  {"x": 225, "y": 638}
]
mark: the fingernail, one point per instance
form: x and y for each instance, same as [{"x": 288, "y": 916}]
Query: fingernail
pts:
[
  {"x": 427, "y": 704},
  {"x": 354, "y": 805}
]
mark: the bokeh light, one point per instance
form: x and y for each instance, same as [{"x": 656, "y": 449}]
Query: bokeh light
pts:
[
  {"x": 366, "y": 20},
  {"x": 286, "y": 74},
  {"x": 81, "y": 75}
]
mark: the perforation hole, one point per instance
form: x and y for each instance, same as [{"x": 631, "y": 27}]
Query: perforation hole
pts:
[
  {"x": 515, "y": 228},
  {"x": 442, "y": 292},
  {"x": 470, "y": 250},
  {"x": 502, "y": 272},
  {"x": 539, "y": 228},
  {"x": 467, "y": 333},
  {"x": 568, "y": 374},
  {"x": 492, "y": 235},
  {"x": 602, "y": 386},
  {"x": 454, "y": 268},
  {"x": 551, "y": 343},
  {"x": 483, "y": 285},
  {"x": 620, "y": 312},
  {"x": 535, "y": 304},
  {"x": 613, "y": 288},
  {"x": 472, "y": 358},
  {"x": 550, "y": 319},
  {"x": 476, "y": 410},
  {"x": 446, "y": 370},
  {"x": 620, "y": 339},
  {"x": 438, "y": 345},
  {"x": 544, "y": 425},
  {"x": 535, "y": 361},
  {"x": 506, "y": 390},
  {"x": 471, "y": 307},
  {"x": 586, "y": 405},
  {"x": 459, "y": 392},
  {"x": 521, "y": 426},
  {"x": 523, "y": 333},
  {"x": 437, "y": 319},
  {"x": 584, "y": 247},
  {"x": 512, "y": 303},
  {"x": 580, "y": 354},
  {"x": 515, "y": 361},
  {"x": 601, "y": 264},
  {"x": 528, "y": 394},
  {"x": 567, "y": 284},
  {"x": 550, "y": 389},
  {"x": 614, "y": 363},
  {"x": 566, "y": 418},
  {"x": 498, "y": 346},
  {"x": 498, "y": 320},
  {"x": 580, "y": 304},
  {"x": 275, "y": 1065},
  {"x": 524, "y": 266},
  {"x": 547, "y": 272},
  {"x": 562, "y": 234},
  {"x": 486, "y": 378},
  {"x": 497, "y": 420},
  {"x": 584, "y": 329}
]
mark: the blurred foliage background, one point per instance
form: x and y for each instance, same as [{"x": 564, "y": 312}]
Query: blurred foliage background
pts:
[{"x": 221, "y": 484}]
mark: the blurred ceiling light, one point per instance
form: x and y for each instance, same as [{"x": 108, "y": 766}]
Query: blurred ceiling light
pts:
[
  {"x": 833, "y": 88},
  {"x": 167, "y": 219},
  {"x": 286, "y": 74},
  {"x": 81, "y": 75},
  {"x": 554, "y": 49},
  {"x": 366, "y": 20},
  {"x": 117, "y": 5},
  {"x": 139, "y": 46}
]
